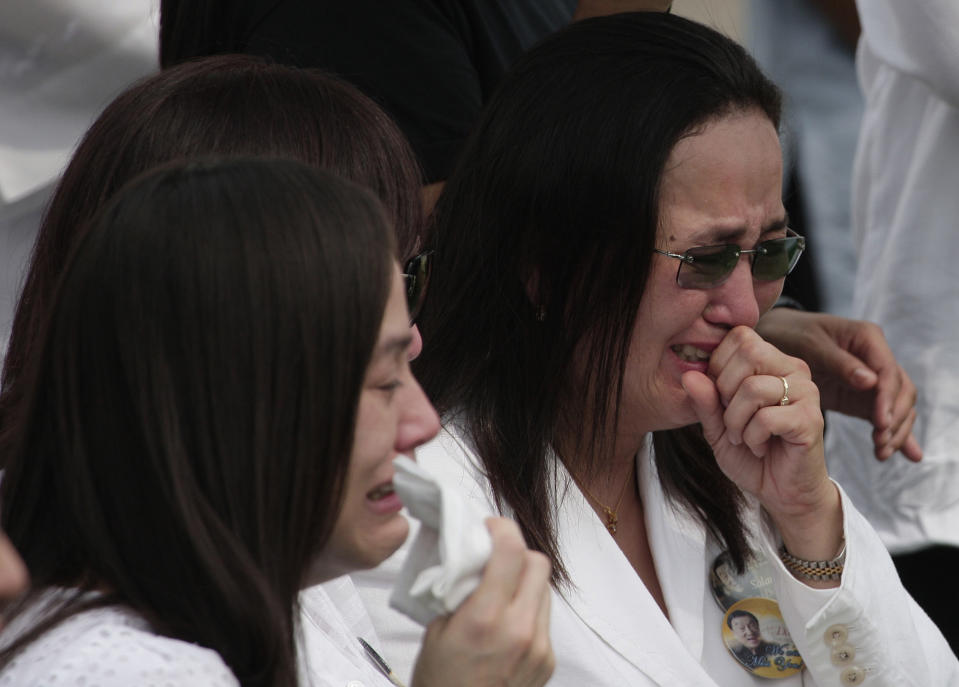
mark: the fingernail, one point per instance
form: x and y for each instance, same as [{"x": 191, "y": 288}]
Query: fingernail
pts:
[
  {"x": 885, "y": 437},
  {"x": 862, "y": 376}
]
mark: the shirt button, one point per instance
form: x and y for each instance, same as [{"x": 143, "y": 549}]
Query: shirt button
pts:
[
  {"x": 842, "y": 655},
  {"x": 852, "y": 676},
  {"x": 836, "y": 635}
]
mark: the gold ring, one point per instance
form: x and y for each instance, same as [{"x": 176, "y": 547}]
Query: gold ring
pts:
[{"x": 784, "y": 401}]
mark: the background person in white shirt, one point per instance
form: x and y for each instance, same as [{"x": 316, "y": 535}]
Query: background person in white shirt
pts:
[{"x": 904, "y": 205}]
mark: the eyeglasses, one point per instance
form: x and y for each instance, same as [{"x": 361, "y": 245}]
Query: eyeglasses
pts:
[
  {"x": 416, "y": 274},
  {"x": 706, "y": 267}
]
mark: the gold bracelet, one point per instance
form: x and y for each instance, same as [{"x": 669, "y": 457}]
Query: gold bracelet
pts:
[{"x": 815, "y": 570}]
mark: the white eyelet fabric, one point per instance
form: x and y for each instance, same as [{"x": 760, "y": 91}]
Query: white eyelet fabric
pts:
[{"x": 110, "y": 647}]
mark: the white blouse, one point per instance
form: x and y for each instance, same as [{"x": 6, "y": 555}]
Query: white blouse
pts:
[
  {"x": 332, "y": 621},
  {"x": 109, "y": 647}
]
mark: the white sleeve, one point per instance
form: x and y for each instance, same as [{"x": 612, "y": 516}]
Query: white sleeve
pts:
[
  {"x": 917, "y": 37},
  {"x": 869, "y": 628}
]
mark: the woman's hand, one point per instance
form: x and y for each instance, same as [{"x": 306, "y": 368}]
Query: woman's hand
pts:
[
  {"x": 500, "y": 635},
  {"x": 855, "y": 370},
  {"x": 770, "y": 450}
]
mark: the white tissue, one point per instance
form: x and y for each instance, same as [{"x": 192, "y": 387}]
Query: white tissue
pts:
[{"x": 447, "y": 557}]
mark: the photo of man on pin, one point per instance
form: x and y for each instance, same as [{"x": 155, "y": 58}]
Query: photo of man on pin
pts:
[{"x": 756, "y": 636}]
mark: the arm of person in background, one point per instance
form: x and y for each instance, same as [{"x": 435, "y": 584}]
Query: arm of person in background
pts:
[
  {"x": 500, "y": 634},
  {"x": 855, "y": 370}
]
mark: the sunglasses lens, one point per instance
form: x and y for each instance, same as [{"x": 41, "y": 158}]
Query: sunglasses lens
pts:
[
  {"x": 707, "y": 266},
  {"x": 417, "y": 275},
  {"x": 778, "y": 257}
]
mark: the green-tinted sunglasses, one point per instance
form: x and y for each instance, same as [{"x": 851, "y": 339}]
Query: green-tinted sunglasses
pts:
[
  {"x": 706, "y": 267},
  {"x": 416, "y": 273}
]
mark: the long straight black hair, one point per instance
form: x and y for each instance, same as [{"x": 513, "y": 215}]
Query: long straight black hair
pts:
[
  {"x": 546, "y": 231},
  {"x": 189, "y": 416}
]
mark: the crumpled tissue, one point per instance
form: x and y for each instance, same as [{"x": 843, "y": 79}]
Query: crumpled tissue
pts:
[{"x": 447, "y": 557}]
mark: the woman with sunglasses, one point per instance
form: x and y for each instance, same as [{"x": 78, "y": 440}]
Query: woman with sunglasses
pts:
[
  {"x": 220, "y": 389},
  {"x": 607, "y": 244}
]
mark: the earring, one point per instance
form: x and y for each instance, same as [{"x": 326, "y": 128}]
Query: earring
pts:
[{"x": 540, "y": 313}]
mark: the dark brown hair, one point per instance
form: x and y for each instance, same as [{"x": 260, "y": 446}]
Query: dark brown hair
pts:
[
  {"x": 226, "y": 106},
  {"x": 555, "y": 205},
  {"x": 191, "y": 406}
]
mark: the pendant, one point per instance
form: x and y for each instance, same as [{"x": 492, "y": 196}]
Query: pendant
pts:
[{"x": 611, "y": 520}]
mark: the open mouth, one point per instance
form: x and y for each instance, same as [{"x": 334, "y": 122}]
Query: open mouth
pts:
[
  {"x": 690, "y": 353},
  {"x": 380, "y": 492}
]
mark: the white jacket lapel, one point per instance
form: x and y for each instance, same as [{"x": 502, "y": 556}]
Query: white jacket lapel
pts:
[
  {"x": 679, "y": 551},
  {"x": 611, "y": 599}
]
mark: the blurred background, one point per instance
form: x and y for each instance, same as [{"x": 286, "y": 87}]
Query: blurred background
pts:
[{"x": 728, "y": 16}]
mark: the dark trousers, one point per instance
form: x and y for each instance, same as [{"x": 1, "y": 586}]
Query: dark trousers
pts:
[{"x": 932, "y": 577}]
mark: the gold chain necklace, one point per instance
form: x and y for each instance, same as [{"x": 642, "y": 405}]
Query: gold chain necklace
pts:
[{"x": 612, "y": 517}]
